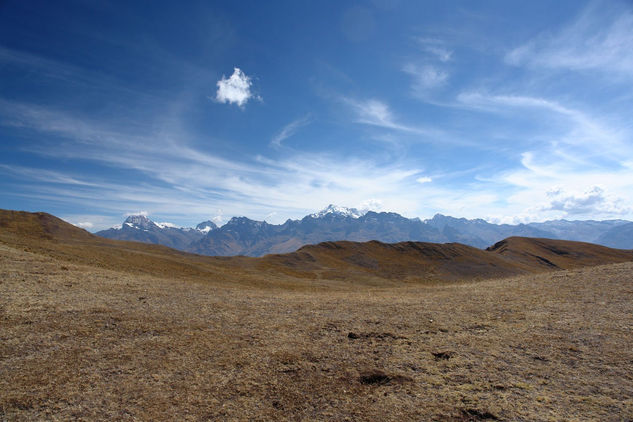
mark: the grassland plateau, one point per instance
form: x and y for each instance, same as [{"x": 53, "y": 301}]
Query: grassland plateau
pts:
[{"x": 96, "y": 329}]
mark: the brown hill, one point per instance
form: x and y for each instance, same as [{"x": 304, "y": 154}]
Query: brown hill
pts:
[
  {"x": 550, "y": 254},
  {"x": 404, "y": 261},
  {"x": 415, "y": 261},
  {"x": 39, "y": 225},
  {"x": 81, "y": 342},
  {"x": 372, "y": 262},
  {"x": 48, "y": 235}
]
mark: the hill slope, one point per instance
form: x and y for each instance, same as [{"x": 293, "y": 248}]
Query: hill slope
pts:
[
  {"x": 48, "y": 235},
  {"x": 84, "y": 343},
  {"x": 370, "y": 262},
  {"x": 448, "y": 262},
  {"x": 557, "y": 254}
]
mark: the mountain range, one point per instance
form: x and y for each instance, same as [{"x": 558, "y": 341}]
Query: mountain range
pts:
[
  {"x": 243, "y": 236},
  {"x": 338, "y": 263}
]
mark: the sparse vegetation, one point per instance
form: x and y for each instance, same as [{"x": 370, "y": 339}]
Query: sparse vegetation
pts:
[{"x": 82, "y": 341}]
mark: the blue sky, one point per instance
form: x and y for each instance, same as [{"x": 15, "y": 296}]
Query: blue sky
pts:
[{"x": 508, "y": 111}]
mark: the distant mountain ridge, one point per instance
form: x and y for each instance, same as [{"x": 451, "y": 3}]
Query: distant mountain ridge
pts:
[
  {"x": 139, "y": 228},
  {"x": 361, "y": 263},
  {"x": 243, "y": 236}
]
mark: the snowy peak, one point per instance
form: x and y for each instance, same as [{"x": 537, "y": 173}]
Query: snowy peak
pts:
[
  {"x": 338, "y": 211},
  {"x": 206, "y": 226},
  {"x": 166, "y": 225},
  {"x": 139, "y": 222}
]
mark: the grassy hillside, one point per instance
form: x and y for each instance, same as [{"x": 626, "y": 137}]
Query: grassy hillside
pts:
[
  {"x": 557, "y": 254},
  {"x": 95, "y": 329},
  {"x": 324, "y": 265},
  {"x": 85, "y": 343}
]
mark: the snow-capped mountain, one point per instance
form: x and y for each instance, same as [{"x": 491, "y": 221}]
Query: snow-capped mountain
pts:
[
  {"x": 243, "y": 236},
  {"x": 139, "y": 228},
  {"x": 206, "y": 226},
  {"x": 139, "y": 222},
  {"x": 338, "y": 211}
]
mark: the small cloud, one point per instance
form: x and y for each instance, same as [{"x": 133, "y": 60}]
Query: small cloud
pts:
[
  {"x": 425, "y": 77},
  {"x": 289, "y": 130},
  {"x": 512, "y": 219},
  {"x": 424, "y": 179},
  {"x": 374, "y": 112},
  {"x": 236, "y": 89},
  {"x": 84, "y": 225},
  {"x": 371, "y": 204},
  {"x": 142, "y": 213},
  {"x": 436, "y": 48},
  {"x": 219, "y": 218}
]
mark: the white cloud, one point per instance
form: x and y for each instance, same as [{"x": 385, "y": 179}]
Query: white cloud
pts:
[
  {"x": 530, "y": 193},
  {"x": 436, "y": 48},
  {"x": 567, "y": 147},
  {"x": 371, "y": 204},
  {"x": 424, "y": 179},
  {"x": 428, "y": 74},
  {"x": 376, "y": 113},
  {"x": 582, "y": 129},
  {"x": 92, "y": 222},
  {"x": 187, "y": 185},
  {"x": 590, "y": 202},
  {"x": 42, "y": 175},
  {"x": 600, "y": 38},
  {"x": 236, "y": 89},
  {"x": 289, "y": 130},
  {"x": 141, "y": 213},
  {"x": 425, "y": 77}
]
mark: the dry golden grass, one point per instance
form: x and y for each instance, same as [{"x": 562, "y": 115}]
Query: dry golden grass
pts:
[
  {"x": 326, "y": 265},
  {"x": 79, "y": 342}
]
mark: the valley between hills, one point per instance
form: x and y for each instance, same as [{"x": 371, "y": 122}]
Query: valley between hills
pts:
[{"x": 99, "y": 329}]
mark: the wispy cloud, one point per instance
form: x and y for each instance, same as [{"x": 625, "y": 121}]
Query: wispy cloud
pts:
[
  {"x": 429, "y": 70},
  {"x": 425, "y": 77},
  {"x": 576, "y": 169},
  {"x": 50, "y": 68},
  {"x": 180, "y": 179},
  {"x": 289, "y": 130},
  {"x": 582, "y": 129},
  {"x": 376, "y": 113},
  {"x": 600, "y": 38},
  {"x": 436, "y": 48},
  {"x": 235, "y": 89},
  {"x": 546, "y": 186},
  {"x": 42, "y": 175}
]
